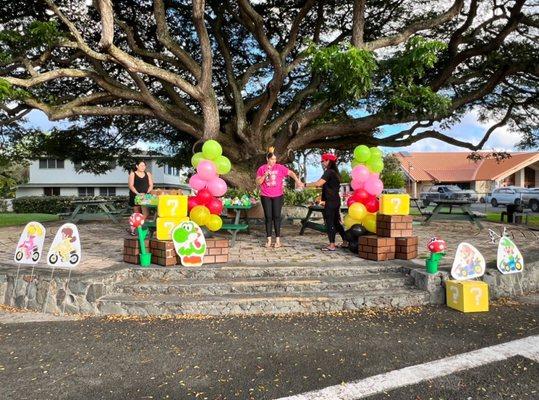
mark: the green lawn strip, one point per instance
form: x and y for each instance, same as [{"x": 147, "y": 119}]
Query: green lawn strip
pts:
[
  {"x": 533, "y": 220},
  {"x": 10, "y": 219}
]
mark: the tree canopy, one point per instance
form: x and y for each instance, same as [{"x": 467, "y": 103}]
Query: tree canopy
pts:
[{"x": 294, "y": 74}]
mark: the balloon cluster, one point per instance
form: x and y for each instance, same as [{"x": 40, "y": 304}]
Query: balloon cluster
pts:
[
  {"x": 205, "y": 208},
  {"x": 363, "y": 203}
]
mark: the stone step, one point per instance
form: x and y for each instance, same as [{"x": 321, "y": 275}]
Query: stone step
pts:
[
  {"x": 247, "y": 285},
  {"x": 264, "y": 303},
  {"x": 228, "y": 271}
]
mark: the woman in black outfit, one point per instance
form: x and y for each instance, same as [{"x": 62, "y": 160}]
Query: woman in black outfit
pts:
[
  {"x": 140, "y": 182},
  {"x": 331, "y": 183}
]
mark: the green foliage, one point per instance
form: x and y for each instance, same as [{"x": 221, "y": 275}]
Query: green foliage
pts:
[
  {"x": 407, "y": 69},
  {"x": 299, "y": 197},
  {"x": 7, "y": 92},
  {"x": 36, "y": 34},
  {"x": 419, "y": 55},
  {"x": 420, "y": 100},
  {"x": 345, "y": 176},
  {"x": 392, "y": 175},
  {"x": 347, "y": 73},
  {"x": 57, "y": 204}
]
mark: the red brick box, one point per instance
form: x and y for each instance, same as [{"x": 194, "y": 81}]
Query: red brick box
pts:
[
  {"x": 406, "y": 247},
  {"x": 394, "y": 225},
  {"x": 376, "y": 248},
  {"x": 132, "y": 250}
]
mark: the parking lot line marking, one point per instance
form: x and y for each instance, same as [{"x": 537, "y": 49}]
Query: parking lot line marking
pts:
[{"x": 527, "y": 347}]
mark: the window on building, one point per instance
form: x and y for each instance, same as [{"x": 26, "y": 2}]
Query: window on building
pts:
[
  {"x": 107, "y": 191},
  {"x": 51, "y": 163},
  {"x": 86, "y": 191},
  {"x": 51, "y": 191}
]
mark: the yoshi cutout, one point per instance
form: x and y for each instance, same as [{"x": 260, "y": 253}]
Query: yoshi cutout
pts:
[{"x": 189, "y": 243}]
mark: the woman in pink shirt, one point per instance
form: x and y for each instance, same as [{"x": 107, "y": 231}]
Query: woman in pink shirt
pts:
[{"x": 270, "y": 177}]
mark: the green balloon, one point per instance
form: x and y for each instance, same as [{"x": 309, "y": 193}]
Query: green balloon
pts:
[
  {"x": 375, "y": 165},
  {"x": 211, "y": 149},
  {"x": 362, "y": 153},
  {"x": 223, "y": 165},
  {"x": 376, "y": 152},
  {"x": 197, "y": 157},
  {"x": 355, "y": 163}
]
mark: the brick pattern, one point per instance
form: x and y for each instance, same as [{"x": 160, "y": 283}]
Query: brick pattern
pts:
[
  {"x": 217, "y": 251},
  {"x": 163, "y": 253},
  {"x": 406, "y": 247},
  {"x": 132, "y": 250},
  {"x": 376, "y": 248},
  {"x": 394, "y": 225}
]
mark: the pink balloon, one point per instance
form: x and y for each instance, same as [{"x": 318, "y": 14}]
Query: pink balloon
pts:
[
  {"x": 217, "y": 187},
  {"x": 356, "y": 184},
  {"x": 373, "y": 186},
  {"x": 196, "y": 182},
  {"x": 360, "y": 173},
  {"x": 206, "y": 170}
]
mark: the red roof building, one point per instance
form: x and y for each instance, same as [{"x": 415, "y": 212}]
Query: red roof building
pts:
[{"x": 429, "y": 168}]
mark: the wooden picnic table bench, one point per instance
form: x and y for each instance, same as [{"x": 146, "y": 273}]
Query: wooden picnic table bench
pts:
[
  {"x": 464, "y": 205},
  {"x": 307, "y": 223},
  {"x": 235, "y": 227},
  {"x": 93, "y": 210}
]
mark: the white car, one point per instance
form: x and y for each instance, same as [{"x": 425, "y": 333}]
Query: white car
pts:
[{"x": 505, "y": 195}]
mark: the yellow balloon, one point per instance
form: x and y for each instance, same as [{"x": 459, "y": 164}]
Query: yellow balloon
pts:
[
  {"x": 200, "y": 215},
  {"x": 357, "y": 211},
  {"x": 349, "y": 221},
  {"x": 369, "y": 222},
  {"x": 214, "y": 223}
]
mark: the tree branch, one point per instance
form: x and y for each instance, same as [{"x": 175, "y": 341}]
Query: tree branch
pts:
[
  {"x": 358, "y": 24},
  {"x": 107, "y": 23}
]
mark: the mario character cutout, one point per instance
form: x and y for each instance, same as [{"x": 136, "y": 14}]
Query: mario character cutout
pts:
[
  {"x": 189, "y": 243},
  {"x": 30, "y": 245},
  {"x": 469, "y": 263},
  {"x": 65, "y": 250}
]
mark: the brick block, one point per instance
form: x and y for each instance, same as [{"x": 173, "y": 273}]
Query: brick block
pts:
[
  {"x": 133, "y": 243},
  {"x": 209, "y": 259},
  {"x": 161, "y": 244},
  {"x": 376, "y": 248},
  {"x": 216, "y": 251},
  {"x": 221, "y": 259},
  {"x": 167, "y": 262},
  {"x": 405, "y": 256},
  {"x": 394, "y": 225},
  {"x": 131, "y": 259}
]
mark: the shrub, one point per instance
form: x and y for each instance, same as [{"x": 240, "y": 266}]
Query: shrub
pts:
[{"x": 57, "y": 204}]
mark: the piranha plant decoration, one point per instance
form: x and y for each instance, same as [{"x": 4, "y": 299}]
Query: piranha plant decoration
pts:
[{"x": 437, "y": 252}]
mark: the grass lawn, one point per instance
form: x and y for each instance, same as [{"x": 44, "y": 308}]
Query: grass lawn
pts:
[
  {"x": 533, "y": 219},
  {"x": 9, "y": 219}
]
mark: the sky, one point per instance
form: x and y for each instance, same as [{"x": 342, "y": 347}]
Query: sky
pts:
[{"x": 470, "y": 128}]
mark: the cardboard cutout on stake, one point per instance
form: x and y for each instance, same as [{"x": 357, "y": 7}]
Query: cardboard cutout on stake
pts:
[
  {"x": 469, "y": 263},
  {"x": 189, "y": 243},
  {"x": 30, "y": 245},
  {"x": 509, "y": 260},
  {"x": 65, "y": 250}
]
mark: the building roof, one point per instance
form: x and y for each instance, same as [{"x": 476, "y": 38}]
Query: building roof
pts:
[{"x": 456, "y": 167}]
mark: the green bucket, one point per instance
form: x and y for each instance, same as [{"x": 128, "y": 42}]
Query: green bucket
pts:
[{"x": 145, "y": 259}]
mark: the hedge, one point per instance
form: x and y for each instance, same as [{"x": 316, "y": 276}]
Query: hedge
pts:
[{"x": 58, "y": 204}]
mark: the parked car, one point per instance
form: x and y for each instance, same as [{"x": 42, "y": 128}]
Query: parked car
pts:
[
  {"x": 447, "y": 192},
  {"x": 505, "y": 195},
  {"x": 530, "y": 199}
]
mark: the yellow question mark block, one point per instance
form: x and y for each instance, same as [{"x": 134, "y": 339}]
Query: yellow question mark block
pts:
[
  {"x": 165, "y": 225},
  {"x": 467, "y": 296},
  {"x": 173, "y": 206},
  {"x": 395, "y": 204}
]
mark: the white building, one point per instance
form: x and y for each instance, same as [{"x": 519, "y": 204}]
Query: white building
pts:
[{"x": 52, "y": 177}]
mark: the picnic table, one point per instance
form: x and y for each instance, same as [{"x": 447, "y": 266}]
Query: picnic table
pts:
[
  {"x": 464, "y": 205},
  {"x": 93, "y": 209},
  {"x": 307, "y": 223},
  {"x": 235, "y": 227}
]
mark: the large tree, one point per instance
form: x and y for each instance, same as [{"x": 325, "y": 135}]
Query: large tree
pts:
[{"x": 295, "y": 74}]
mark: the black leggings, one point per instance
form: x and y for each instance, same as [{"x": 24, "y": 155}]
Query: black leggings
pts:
[
  {"x": 332, "y": 217},
  {"x": 272, "y": 212}
]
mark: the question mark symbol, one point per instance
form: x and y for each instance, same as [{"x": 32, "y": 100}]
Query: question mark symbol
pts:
[
  {"x": 396, "y": 204},
  {"x": 173, "y": 204},
  {"x": 454, "y": 293},
  {"x": 477, "y": 292},
  {"x": 169, "y": 226}
]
